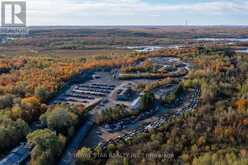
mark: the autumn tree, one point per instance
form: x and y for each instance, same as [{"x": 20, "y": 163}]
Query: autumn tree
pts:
[
  {"x": 42, "y": 93},
  {"x": 60, "y": 120},
  {"x": 47, "y": 146},
  {"x": 11, "y": 132}
]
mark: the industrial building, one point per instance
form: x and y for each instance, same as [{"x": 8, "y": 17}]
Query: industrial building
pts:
[
  {"x": 124, "y": 94},
  {"x": 17, "y": 156}
]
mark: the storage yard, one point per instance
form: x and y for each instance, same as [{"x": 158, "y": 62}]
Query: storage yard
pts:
[
  {"x": 104, "y": 90},
  {"x": 91, "y": 92}
]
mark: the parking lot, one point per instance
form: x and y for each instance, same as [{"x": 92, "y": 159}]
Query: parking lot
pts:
[
  {"x": 106, "y": 90},
  {"x": 109, "y": 95},
  {"x": 92, "y": 92},
  {"x": 190, "y": 102}
]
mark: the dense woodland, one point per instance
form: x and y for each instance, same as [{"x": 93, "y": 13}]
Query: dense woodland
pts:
[
  {"x": 28, "y": 83},
  {"x": 214, "y": 133},
  {"x": 92, "y": 38}
]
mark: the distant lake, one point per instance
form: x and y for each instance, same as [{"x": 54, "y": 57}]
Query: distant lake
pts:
[
  {"x": 223, "y": 39},
  {"x": 242, "y": 50},
  {"x": 151, "y": 48}
]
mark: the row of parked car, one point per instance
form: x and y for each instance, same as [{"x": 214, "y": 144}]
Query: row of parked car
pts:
[
  {"x": 98, "y": 86},
  {"x": 86, "y": 93},
  {"x": 195, "y": 98},
  {"x": 133, "y": 133},
  {"x": 154, "y": 125},
  {"x": 80, "y": 96},
  {"x": 117, "y": 126},
  {"x": 92, "y": 89},
  {"x": 90, "y": 93}
]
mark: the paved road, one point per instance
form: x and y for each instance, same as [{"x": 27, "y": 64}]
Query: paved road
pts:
[
  {"x": 193, "y": 102},
  {"x": 68, "y": 156},
  {"x": 99, "y": 134}
]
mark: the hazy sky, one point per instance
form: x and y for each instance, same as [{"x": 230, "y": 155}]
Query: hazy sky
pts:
[{"x": 137, "y": 12}]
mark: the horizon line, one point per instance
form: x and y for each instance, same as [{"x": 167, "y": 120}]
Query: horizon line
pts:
[{"x": 230, "y": 25}]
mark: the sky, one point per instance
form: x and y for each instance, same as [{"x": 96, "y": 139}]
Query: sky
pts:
[{"x": 137, "y": 12}]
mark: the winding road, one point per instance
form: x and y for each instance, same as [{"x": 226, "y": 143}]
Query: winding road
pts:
[
  {"x": 88, "y": 126},
  {"x": 88, "y": 134}
]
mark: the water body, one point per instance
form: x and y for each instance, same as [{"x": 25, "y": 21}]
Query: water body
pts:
[
  {"x": 151, "y": 48},
  {"x": 223, "y": 39},
  {"x": 242, "y": 50}
]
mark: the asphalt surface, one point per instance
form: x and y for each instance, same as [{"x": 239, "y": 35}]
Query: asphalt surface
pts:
[
  {"x": 193, "y": 102},
  {"x": 77, "y": 140},
  {"x": 69, "y": 154}
]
